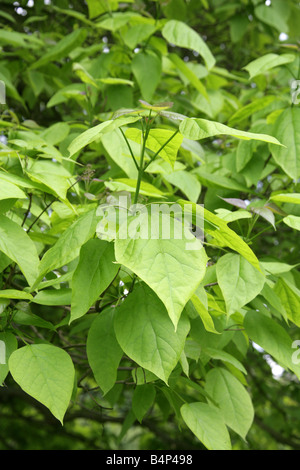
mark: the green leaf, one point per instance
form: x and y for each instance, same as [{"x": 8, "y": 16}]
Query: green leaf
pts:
[
  {"x": 251, "y": 108},
  {"x": 286, "y": 197},
  {"x": 188, "y": 73},
  {"x": 68, "y": 246},
  {"x": 8, "y": 344},
  {"x": 147, "y": 70},
  {"x": 292, "y": 221},
  {"x": 9, "y": 190},
  {"x": 272, "y": 337},
  {"x": 16, "y": 244},
  {"x": 156, "y": 140},
  {"x": 239, "y": 281},
  {"x": 186, "y": 182},
  {"x": 15, "y": 294},
  {"x": 103, "y": 351},
  {"x": 271, "y": 16},
  {"x": 142, "y": 400},
  {"x": 267, "y": 62},
  {"x": 138, "y": 33},
  {"x": 128, "y": 184},
  {"x": 290, "y": 298},
  {"x": 221, "y": 232},
  {"x": 28, "y": 318},
  {"x": 233, "y": 400},
  {"x": 62, "y": 48},
  {"x": 225, "y": 357},
  {"x": 46, "y": 373},
  {"x": 95, "y": 133},
  {"x": 197, "y": 129},
  {"x": 93, "y": 274},
  {"x": 172, "y": 262},
  {"x": 204, "y": 314},
  {"x": 53, "y": 297},
  {"x": 287, "y": 130},
  {"x": 146, "y": 333},
  {"x": 180, "y": 34},
  {"x": 207, "y": 424}
]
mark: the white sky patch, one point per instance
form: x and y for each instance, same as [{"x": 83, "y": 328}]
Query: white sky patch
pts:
[
  {"x": 283, "y": 37},
  {"x": 277, "y": 370}
]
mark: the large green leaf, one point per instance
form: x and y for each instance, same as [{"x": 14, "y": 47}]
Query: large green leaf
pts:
[
  {"x": 287, "y": 130},
  {"x": 103, "y": 350},
  {"x": 45, "y": 372},
  {"x": 207, "y": 424},
  {"x": 16, "y": 244},
  {"x": 95, "y": 271},
  {"x": 233, "y": 400},
  {"x": 146, "y": 333},
  {"x": 172, "y": 262},
  {"x": 178, "y": 33},
  {"x": 239, "y": 281},
  {"x": 197, "y": 129}
]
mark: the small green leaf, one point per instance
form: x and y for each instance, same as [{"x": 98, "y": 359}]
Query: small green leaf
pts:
[
  {"x": 95, "y": 271},
  {"x": 16, "y": 244},
  {"x": 207, "y": 424},
  {"x": 103, "y": 351},
  {"x": 287, "y": 130},
  {"x": 147, "y": 69},
  {"x": 62, "y": 48},
  {"x": 233, "y": 400},
  {"x": 272, "y": 337},
  {"x": 290, "y": 298},
  {"x": 142, "y": 400},
  {"x": 292, "y": 221},
  {"x": 53, "y": 297},
  {"x": 289, "y": 198},
  {"x": 239, "y": 281},
  {"x": 180, "y": 34}
]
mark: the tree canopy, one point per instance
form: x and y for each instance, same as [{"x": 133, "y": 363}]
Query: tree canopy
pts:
[{"x": 149, "y": 224}]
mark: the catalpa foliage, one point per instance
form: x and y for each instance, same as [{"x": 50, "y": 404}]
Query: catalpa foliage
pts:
[{"x": 149, "y": 219}]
